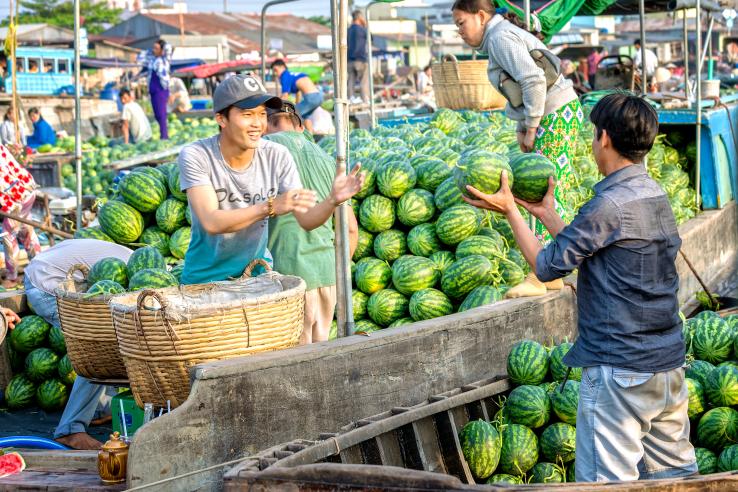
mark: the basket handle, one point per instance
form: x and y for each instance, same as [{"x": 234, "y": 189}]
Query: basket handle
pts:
[
  {"x": 452, "y": 59},
  {"x": 250, "y": 268},
  {"x": 145, "y": 294},
  {"x": 78, "y": 267}
]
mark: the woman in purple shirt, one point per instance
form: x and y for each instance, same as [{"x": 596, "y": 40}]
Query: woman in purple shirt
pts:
[{"x": 158, "y": 63}]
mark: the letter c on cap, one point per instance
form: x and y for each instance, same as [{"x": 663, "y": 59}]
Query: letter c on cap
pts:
[{"x": 253, "y": 85}]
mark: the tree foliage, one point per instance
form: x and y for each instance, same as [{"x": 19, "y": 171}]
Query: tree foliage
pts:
[
  {"x": 321, "y": 19},
  {"x": 95, "y": 16}
]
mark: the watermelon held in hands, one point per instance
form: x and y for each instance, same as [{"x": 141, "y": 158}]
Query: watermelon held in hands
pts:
[
  {"x": 482, "y": 170},
  {"x": 481, "y": 446},
  {"x": 146, "y": 257},
  {"x": 11, "y": 463},
  {"x": 558, "y": 443},
  {"x": 29, "y": 334},
  {"x": 428, "y": 304},
  {"x": 531, "y": 172},
  {"x": 110, "y": 268},
  {"x": 519, "y": 451},
  {"x": 386, "y": 306},
  {"x": 41, "y": 364},
  {"x": 180, "y": 242},
  {"x": 52, "y": 395},
  {"x": 527, "y": 363},
  {"x": 20, "y": 392},
  {"x": 152, "y": 278},
  {"x": 123, "y": 223},
  {"x": 170, "y": 215}
]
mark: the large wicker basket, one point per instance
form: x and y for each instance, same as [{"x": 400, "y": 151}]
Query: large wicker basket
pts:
[
  {"x": 464, "y": 85},
  {"x": 88, "y": 329},
  {"x": 159, "y": 345}
]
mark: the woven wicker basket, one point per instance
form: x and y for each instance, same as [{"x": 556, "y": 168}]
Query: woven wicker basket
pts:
[
  {"x": 464, "y": 85},
  {"x": 159, "y": 347},
  {"x": 88, "y": 329}
]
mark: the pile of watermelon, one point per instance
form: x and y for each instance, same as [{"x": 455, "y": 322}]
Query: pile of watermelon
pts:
[
  {"x": 146, "y": 269},
  {"x": 39, "y": 360}
]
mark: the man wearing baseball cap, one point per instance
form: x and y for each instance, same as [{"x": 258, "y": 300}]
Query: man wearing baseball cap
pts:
[{"x": 236, "y": 181}]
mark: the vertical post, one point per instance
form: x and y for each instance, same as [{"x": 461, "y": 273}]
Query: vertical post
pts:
[
  {"x": 685, "y": 52},
  {"x": 339, "y": 29},
  {"x": 526, "y": 12},
  {"x": 642, "y": 18},
  {"x": 698, "y": 104},
  {"x": 709, "y": 59},
  {"x": 77, "y": 115},
  {"x": 225, "y": 6},
  {"x": 15, "y": 105},
  {"x": 370, "y": 68},
  {"x": 263, "y": 35}
]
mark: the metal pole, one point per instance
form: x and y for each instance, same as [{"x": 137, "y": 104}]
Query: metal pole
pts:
[
  {"x": 642, "y": 18},
  {"x": 685, "y": 51},
  {"x": 526, "y": 12},
  {"x": 339, "y": 30},
  {"x": 709, "y": 45},
  {"x": 706, "y": 49},
  {"x": 370, "y": 68},
  {"x": 263, "y": 34},
  {"x": 225, "y": 6},
  {"x": 698, "y": 104},
  {"x": 77, "y": 115}
]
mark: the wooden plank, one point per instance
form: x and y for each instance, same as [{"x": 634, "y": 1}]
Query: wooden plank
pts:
[
  {"x": 461, "y": 416},
  {"x": 427, "y": 444},
  {"x": 370, "y": 452},
  {"x": 411, "y": 454},
  {"x": 56, "y": 480},
  {"x": 448, "y": 438},
  {"x": 389, "y": 449},
  {"x": 60, "y": 459},
  {"x": 352, "y": 456}
]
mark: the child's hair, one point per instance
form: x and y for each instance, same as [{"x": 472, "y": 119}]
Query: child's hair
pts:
[{"x": 474, "y": 6}]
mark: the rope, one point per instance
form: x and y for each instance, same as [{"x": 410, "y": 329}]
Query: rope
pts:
[{"x": 185, "y": 475}]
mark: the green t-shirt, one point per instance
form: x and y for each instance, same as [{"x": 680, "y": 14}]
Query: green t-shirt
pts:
[{"x": 310, "y": 255}]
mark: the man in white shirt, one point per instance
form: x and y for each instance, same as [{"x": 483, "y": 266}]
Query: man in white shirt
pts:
[
  {"x": 651, "y": 63},
  {"x": 179, "y": 98},
  {"x": 136, "y": 126}
]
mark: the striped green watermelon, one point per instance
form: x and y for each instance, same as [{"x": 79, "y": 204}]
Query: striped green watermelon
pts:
[
  {"x": 20, "y": 392},
  {"x": 390, "y": 245},
  {"x": 713, "y": 340},
  {"x": 456, "y": 224},
  {"x": 528, "y": 405},
  {"x": 718, "y": 428},
  {"x": 531, "y": 173},
  {"x": 480, "y": 296},
  {"x": 707, "y": 461},
  {"x": 123, "y": 223},
  {"x": 545, "y": 472},
  {"x": 732, "y": 320},
  {"x": 152, "y": 278},
  {"x": 17, "y": 359},
  {"x": 177, "y": 270},
  {"x": 447, "y": 121},
  {"x": 480, "y": 245},
  {"x": 167, "y": 168},
  {"x": 364, "y": 246},
  {"x": 699, "y": 370},
  {"x": 500, "y": 224},
  {"x": 429, "y": 304},
  {"x": 556, "y": 363},
  {"x": 464, "y": 275},
  {"x": 29, "y": 334},
  {"x": 170, "y": 215},
  {"x": 504, "y": 478},
  {"x": 482, "y": 140},
  {"x": 565, "y": 401},
  {"x": 706, "y": 316},
  {"x": 481, "y": 445},
  {"x": 728, "y": 460},
  {"x": 154, "y": 172},
  {"x": 527, "y": 363},
  {"x": 413, "y": 273},
  {"x": 386, "y": 306},
  {"x": 415, "y": 207},
  {"x": 109, "y": 268},
  {"x": 447, "y": 195},
  {"x": 369, "y": 168},
  {"x": 41, "y": 364},
  {"x": 519, "y": 451},
  {"x": 516, "y": 256},
  {"x": 558, "y": 443},
  {"x": 66, "y": 371},
  {"x": 52, "y": 395},
  {"x": 372, "y": 275},
  {"x": 510, "y": 272},
  {"x": 482, "y": 170},
  {"x": 56, "y": 341},
  {"x": 153, "y": 236},
  {"x": 180, "y": 242},
  {"x": 401, "y": 322},
  {"x": 377, "y": 213},
  {"x": 366, "y": 326},
  {"x": 571, "y": 473},
  {"x": 173, "y": 185},
  {"x": 142, "y": 191},
  {"x": 431, "y": 172},
  {"x": 358, "y": 301},
  {"x": 105, "y": 288},
  {"x": 395, "y": 178},
  {"x": 730, "y": 363},
  {"x": 422, "y": 240},
  {"x": 442, "y": 259},
  {"x": 146, "y": 257},
  {"x": 721, "y": 389},
  {"x": 94, "y": 232},
  {"x": 188, "y": 214}
]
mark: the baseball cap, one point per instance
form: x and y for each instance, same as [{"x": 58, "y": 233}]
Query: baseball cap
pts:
[
  {"x": 286, "y": 107},
  {"x": 243, "y": 91}
]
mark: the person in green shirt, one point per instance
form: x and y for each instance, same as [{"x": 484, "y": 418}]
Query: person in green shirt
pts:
[{"x": 307, "y": 254}]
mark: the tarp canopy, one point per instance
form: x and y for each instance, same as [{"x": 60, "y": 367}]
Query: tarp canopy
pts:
[
  {"x": 87, "y": 62},
  {"x": 210, "y": 69}
]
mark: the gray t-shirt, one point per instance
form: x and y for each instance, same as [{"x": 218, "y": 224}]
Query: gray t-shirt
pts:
[
  {"x": 213, "y": 257},
  {"x": 49, "y": 268}
]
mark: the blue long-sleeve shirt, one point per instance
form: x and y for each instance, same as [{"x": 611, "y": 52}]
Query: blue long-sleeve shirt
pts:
[
  {"x": 357, "y": 43},
  {"x": 624, "y": 242},
  {"x": 42, "y": 134}
]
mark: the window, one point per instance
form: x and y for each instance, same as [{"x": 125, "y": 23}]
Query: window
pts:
[
  {"x": 20, "y": 63},
  {"x": 48, "y": 66},
  {"x": 62, "y": 66},
  {"x": 34, "y": 65}
]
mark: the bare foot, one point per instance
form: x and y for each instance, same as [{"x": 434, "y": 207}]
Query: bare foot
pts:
[
  {"x": 79, "y": 440},
  {"x": 102, "y": 420}
]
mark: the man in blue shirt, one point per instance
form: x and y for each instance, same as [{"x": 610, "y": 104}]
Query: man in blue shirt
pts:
[
  {"x": 308, "y": 96},
  {"x": 632, "y": 418},
  {"x": 357, "y": 56},
  {"x": 43, "y": 133}
]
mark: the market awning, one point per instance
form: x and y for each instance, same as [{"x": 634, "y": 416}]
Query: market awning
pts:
[
  {"x": 210, "y": 69},
  {"x": 86, "y": 62}
]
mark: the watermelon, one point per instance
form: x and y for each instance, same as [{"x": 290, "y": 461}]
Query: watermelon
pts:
[
  {"x": 558, "y": 442},
  {"x": 29, "y": 334},
  {"x": 431, "y": 173},
  {"x": 413, "y": 273},
  {"x": 366, "y": 326},
  {"x": 154, "y": 172},
  {"x": 721, "y": 389},
  {"x": 173, "y": 185},
  {"x": 170, "y": 215},
  {"x": 11, "y": 463},
  {"x": 142, "y": 191},
  {"x": 364, "y": 245},
  {"x": 480, "y": 296},
  {"x": 123, "y": 223},
  {"x": 41, "y": 364},
  {"x": 66, "y": 371},
  {"x": 377, "y": 213},
  {"x": 456, "y": 224},
  {"x": 188, "y": 214},
  {"x": 443, "y": 260},
  {"x": 527, "y": 363},
  {"x": 706, "y": 316},
  {"x": 571, "y": 473},
  {"x": 17, "y": 360},
  {"x": 422, "y": 240},
  {"x": 146, "y": 257},
  {"x": 105, "y": 288},
  {"x": 464, "y": 275},
  {"x": 528, "y": 405},
  {"x": 167, "y": 169},
  {"x": 732, "y": 320},
  {"x": 402, "y": 321},
  {"x": 180, "y": 242},
  {"x": 447, "y": 195},
  {"x": 94, "y": 232},
  {"x": 372, "y": 275},
  {"x": 699, "y": 370},
  {"x": 429, "y": 304},
  {"x": 718, "y": 428},
  {"x": 386, "y": 306},
  {"x": 395, "y": 178},
  {"x": 20, "y": 392},
  {"x": 531, "y": 172},
  {"x": 565, "y": 401},
  {"x": 152, "y": 278},
  {"x": 707, "y": 461},
  {"x": 728, "y": 460},
  {"x": 713, "y": 340},
  {"x": 481, "y": 445},
  {"x": 545, "y": 472},
  {"x": 500, "y": 224},
  {"x": 369, "y": 187},
  {"x": 153, "y": 236},
  {"x": 447, "y": 121},
  {"x": 390, "y": 245},
  {"x": 505, "y": 478},
  {"x": 176, "y": 271},
  {"x": 519, "y": 451},
  {"x": 358, "y": 302},
  {"x": 516, "y": 256},
  {"x": 511, "y": 273},
  {"x": 52, "y": 395},
  {"x": 482, "y": 170},
  {"x": 556, "y": 363},
  {"x": 415, "y": 207},
  {"x": 109, "y": 268},
  {"x": 481, "y": 245},
  {"x": 56, "y": 341}
]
